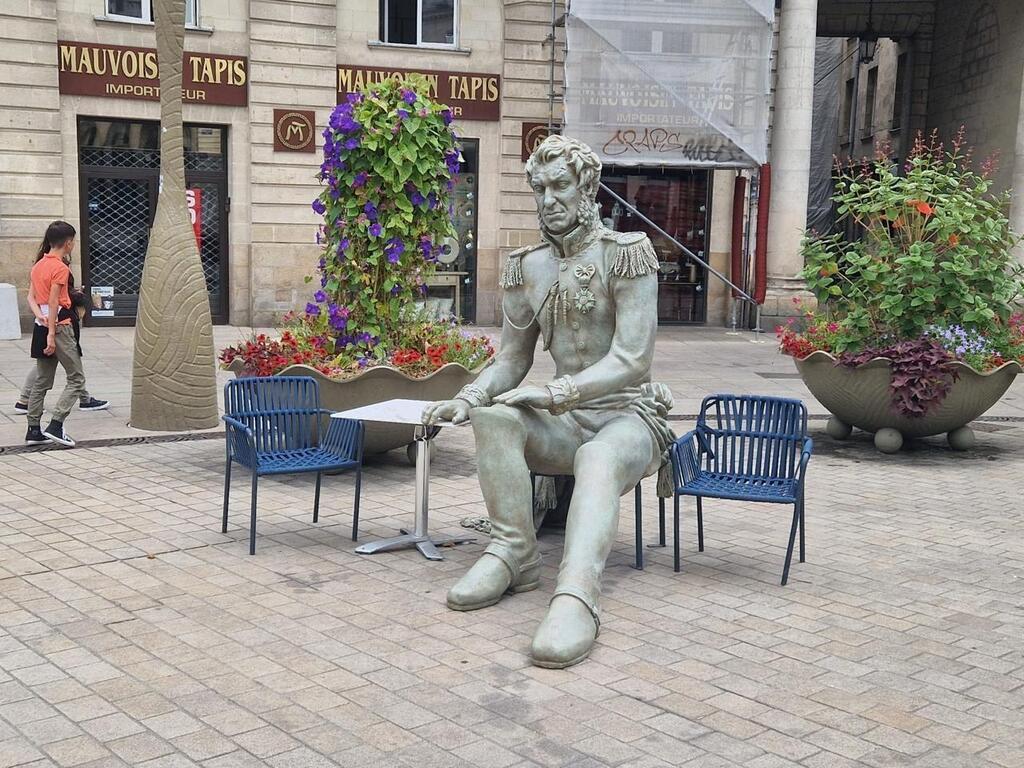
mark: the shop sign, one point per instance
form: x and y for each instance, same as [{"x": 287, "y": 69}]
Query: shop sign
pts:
[
  {"x": 470, "y": 95},
  {"x": 294, "y": 130},
  {"x": 90, "y": 69},
  {"x": 533, "y": 134},
  {"x": 194, "y": 202}
]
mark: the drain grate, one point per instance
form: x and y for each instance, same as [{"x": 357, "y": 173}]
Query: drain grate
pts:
[{"x": 111, "y": 442}]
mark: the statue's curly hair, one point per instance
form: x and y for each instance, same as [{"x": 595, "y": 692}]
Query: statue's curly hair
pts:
[{"x": 577, "y": 155}]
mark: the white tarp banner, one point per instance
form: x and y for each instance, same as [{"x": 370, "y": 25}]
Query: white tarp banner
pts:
[{"x": 670, "y": 82}]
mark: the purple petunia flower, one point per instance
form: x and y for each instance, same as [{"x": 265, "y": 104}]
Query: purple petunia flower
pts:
[
  {"x": 426, "y": 246},
  {"x": 447, "y": 115},
  {"x": 432, "y": 201},
  {"x": 403, "y": 114},
  {"x": 395, "y": 290},
  {"x": 416, "y": 198},
  {"x": 393, "y": 249},
  {"x": 312, "y": 310},
  {"x": 409, "y": 97},
  {"x": 335, "y": 192},
  {"x": 319, "y": 297},
  {"x": 375, "y": 230},
  {"x": 352, "y": 143},
  {"x": 354, "y": 98},
  {"x": 318, "y": 207},
  {"x": 370, "y": 210},
  {"x": 343, "y": 244},
  {"x": 323, "y": 281},
  {"x": 360, "y": 179}
]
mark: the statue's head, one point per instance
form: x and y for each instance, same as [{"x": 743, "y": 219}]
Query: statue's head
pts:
[{"x": 564, "y": 174}]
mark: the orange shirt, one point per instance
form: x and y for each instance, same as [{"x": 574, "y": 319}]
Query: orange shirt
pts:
[{"x": 46, "y": 272}]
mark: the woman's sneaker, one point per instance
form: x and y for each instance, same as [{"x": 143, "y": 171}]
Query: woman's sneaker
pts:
[
  {"x": 92, "y": 404},
  {"x": 55, "y": 433},
  {"x": 35, "y": 436},
  {"x": 21, "y": 407}
]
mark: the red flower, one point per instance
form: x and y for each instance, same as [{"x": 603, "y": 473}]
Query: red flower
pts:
[{"x": 922, "y": 207}]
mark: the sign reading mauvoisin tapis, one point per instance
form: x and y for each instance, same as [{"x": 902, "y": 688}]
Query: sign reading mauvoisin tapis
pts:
[
  {"x": 131, "y": 72},
  {"x": 470, "y": 95}
]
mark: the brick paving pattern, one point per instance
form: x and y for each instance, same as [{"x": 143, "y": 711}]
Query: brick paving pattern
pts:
[{"x": 133, "y": 633}]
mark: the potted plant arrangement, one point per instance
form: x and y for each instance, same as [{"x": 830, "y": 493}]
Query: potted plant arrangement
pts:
[
  {"x": 390, "y": 156},
  {"x": 918, "y": 328}
]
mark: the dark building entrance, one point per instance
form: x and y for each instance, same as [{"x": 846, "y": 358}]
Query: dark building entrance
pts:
[{"x": 119, "y": 177}]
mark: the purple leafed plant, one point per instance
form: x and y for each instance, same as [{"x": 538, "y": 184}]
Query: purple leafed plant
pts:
[{"x": 922, "y": 373}]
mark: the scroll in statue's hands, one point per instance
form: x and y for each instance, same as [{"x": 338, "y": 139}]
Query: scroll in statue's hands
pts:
[
  {"x": 454, "y": 411},
  {"x": 535, "y": 397}
]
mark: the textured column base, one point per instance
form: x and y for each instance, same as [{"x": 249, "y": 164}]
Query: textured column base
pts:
[{"x": 786, "y": 297}]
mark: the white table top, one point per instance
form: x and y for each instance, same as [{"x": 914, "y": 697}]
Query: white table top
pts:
[{"x": 396, "y": 411}]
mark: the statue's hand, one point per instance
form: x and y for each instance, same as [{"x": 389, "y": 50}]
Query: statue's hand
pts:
[
  {"x": 535, "y": 397},
  {"x": 455, "y": 411}
]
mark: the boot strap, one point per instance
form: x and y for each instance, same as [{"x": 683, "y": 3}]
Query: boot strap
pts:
[
  {"x": 510, "y": 562},
  {"x": 582, "y": 596}
]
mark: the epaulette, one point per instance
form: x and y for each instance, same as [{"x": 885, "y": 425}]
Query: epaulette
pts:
[
  {"x": 512, "y": 274},
  {"x": 635, "y": 256}
]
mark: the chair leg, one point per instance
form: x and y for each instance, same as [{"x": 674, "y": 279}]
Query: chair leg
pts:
[
  {"x": 661, "y": 522},
  {"x": 639, "y": 530},
  {"x": 792, "y": 539},
  {"x": 252, "y": 517},
  {"x": 355, "y": 511},
  {"x": 700, "y": 525},
  {"x": 316, "y": 499},
  {"x": 227, "y": 494},
  {"x": 801, "y": 529},
  {"x": 675, "y": 532}
]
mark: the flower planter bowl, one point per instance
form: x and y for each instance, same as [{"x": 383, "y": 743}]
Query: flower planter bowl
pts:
[
  {"x": 375, "y": 385},
  {"x": 860, "y": 397}
]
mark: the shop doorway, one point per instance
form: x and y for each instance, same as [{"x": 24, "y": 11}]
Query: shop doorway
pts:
[
  {"x": 678, "y": 201},
  {"x": 452, "y": 288},
  {"x": 119, "y": 178}
]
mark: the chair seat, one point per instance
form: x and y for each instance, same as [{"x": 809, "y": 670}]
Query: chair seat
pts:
[
  {"x": 304, "y": 460},
  {"x": 741, "y": 487}
]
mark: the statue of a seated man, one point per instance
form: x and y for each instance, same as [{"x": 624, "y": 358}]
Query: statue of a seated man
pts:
[{"x": 591, "y": 295}]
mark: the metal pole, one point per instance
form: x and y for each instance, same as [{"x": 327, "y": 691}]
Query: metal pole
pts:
[
  {"x": 680, "y": 246},
  {"x": 422, "y": 481}
]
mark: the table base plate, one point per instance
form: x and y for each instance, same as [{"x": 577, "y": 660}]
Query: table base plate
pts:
[{"x": 427, "y": 545}]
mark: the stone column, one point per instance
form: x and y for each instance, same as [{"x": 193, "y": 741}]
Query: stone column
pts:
[
  {"x": 1017, "y": 180},
  {"x": 790, "y": 155}
]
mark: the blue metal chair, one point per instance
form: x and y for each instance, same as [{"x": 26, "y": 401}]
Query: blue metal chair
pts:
[
  {"x": 747, "y": 448},
  {"x": 273, "y": 426}
]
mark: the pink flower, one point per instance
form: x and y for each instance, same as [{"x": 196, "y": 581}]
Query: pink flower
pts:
[{"x": 833, "y": 327}]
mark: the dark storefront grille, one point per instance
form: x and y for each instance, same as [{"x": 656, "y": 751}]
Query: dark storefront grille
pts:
[{"x": 119, "y": 169}]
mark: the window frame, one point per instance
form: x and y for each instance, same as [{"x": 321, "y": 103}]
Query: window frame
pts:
[
  {"x": 899, "y": 88},
  {"x": 382, "y": 10},
  {"x": 146, "y": 13},
  {"x": 870, "y": 99}
]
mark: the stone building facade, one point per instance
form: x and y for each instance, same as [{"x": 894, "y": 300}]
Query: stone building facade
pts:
[{"x": 78, "y": 120}]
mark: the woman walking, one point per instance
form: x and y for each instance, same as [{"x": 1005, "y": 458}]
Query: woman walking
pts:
[{"x": 53, "y": 337}]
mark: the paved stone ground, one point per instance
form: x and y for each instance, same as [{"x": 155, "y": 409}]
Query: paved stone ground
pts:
[{"x": 132, "y": 632}]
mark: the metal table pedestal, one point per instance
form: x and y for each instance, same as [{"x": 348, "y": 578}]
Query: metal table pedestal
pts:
[{"x": 419, "y": 538}]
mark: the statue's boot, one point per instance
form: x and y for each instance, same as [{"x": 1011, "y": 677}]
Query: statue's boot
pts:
[
  {"x": 494, "y": 575},
  {"x": 567, "y": 633},
  {"x": 511, "y": 562}
]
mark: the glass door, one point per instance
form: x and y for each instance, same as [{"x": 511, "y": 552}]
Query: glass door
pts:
[{"x": 679, "y": 202}]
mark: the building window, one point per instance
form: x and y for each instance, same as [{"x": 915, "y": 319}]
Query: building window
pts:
[
  {"x": 418, "y": 22},
  {"x": 142, "y": 10},
  {"x": 849, "y": 99},
  {"x": 899, "y": 92},
  {"x": 869, "y": 103}
]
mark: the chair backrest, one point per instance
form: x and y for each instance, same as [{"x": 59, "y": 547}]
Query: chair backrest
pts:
[
  {"x": 753, "y": 435},
  {"x": 282, "y": 411}
]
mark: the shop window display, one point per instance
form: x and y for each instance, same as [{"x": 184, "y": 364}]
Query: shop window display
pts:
[{"x": 678, "y": 201}]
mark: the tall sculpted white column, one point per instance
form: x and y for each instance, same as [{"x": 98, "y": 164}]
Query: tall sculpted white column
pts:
[
  {"x": 790, "y": 153},
  {"x": 1017, "y": 180}
]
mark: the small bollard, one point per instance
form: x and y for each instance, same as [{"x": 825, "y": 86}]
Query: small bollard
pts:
[{"x": 10, "y": 324}]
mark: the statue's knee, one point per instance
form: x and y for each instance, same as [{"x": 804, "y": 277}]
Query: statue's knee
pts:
[
  {"x": 496, "y": 420},
  {"x": 594, "y": 457}
]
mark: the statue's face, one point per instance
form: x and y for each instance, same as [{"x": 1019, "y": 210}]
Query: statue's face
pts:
[{"x": 557, "y": 191}]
